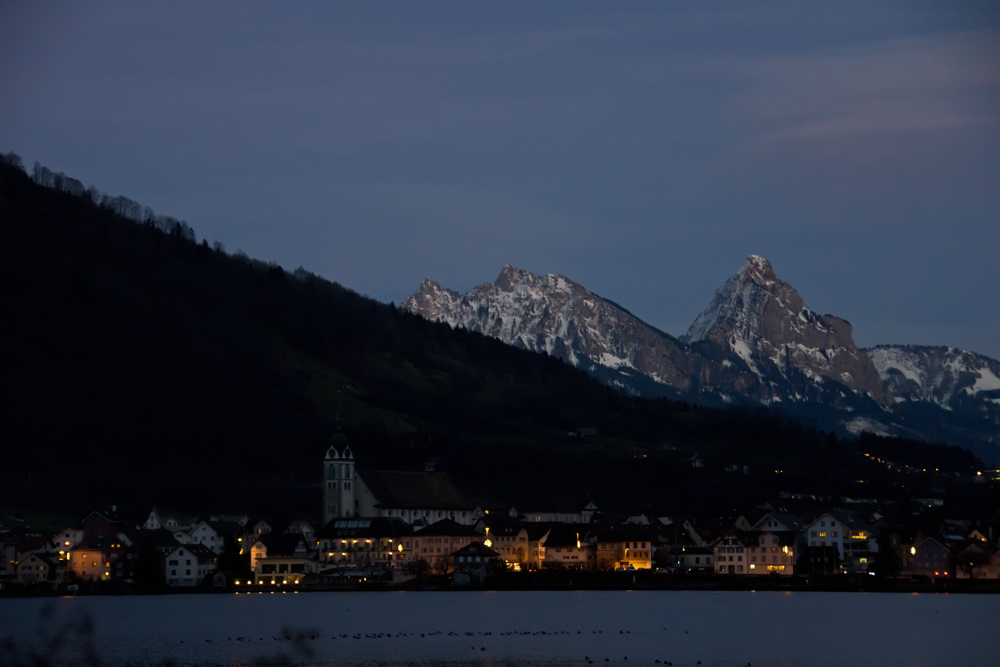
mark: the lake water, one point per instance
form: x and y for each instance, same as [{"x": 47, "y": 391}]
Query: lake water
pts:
[{"x": 510, "y": 628}]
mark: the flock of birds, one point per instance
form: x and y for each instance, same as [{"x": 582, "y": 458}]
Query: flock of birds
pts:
[{"x": 423, "y": 635}]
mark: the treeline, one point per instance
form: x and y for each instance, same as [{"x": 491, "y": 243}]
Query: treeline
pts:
[
  {"x": 118, "y": 204},
  {"x": 143, "y": 366}
]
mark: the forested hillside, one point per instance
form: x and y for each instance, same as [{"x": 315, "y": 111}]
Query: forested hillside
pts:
[{"x": 142, "y": 366}]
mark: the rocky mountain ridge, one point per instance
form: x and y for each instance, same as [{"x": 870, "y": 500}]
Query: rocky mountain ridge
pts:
[{"x": 755, "y": 343}]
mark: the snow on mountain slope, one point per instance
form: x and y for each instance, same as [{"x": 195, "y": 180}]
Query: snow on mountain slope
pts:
[
  {"x": 765, "y": 322},
  {"x": 756, "y": 342},
  {"x": 942, "y": 375},
  {"x": 553, "y": 314}
]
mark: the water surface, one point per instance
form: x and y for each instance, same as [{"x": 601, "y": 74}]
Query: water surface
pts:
[{"x": 518, "y": 628}]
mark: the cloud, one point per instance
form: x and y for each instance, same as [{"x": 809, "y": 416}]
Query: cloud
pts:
[{"x": 939, "y": 82}]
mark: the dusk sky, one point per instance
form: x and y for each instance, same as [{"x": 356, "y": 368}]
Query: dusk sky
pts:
[{"x": 640, "y": 149}]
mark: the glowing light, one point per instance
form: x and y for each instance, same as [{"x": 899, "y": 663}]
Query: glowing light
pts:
[
  {"x": 913, "y": 551},
  {"x": 400, "y": 547},
  {"x": 237, "y": 582},
  {"x": 785, "y": 549},
  {"x": 488, "y": 543}
]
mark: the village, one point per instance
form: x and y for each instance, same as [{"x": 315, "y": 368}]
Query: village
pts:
[{"x": 391, "y": 527}]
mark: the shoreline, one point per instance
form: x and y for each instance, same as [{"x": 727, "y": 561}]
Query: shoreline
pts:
[{"x": 575, "y": 582}]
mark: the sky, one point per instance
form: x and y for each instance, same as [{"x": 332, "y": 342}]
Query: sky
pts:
[{"x": 642, "y": 149}]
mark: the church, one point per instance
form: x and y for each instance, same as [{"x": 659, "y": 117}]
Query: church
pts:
[{"x": 416, "y": 497}]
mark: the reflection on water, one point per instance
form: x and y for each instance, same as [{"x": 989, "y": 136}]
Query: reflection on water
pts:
[{"x": 504, "y": 628}]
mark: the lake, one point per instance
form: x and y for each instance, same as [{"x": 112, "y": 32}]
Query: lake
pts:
[{"x": 509, "y": 628}]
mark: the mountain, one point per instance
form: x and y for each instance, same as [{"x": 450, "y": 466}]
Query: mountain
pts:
[
  {"x": 555, "y": 315},
  {"x": 140, "y": 366},
  {"x": 755, "y": 343},
  {"x": 962, "y": 383},
  {"x": 765, "y": 322}
]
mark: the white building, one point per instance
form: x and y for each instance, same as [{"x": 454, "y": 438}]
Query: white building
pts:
[
  {"x": 415, "y": 497},
  {"x": 854, "y": 539},
  {"x": 338, "y": 480},
  {"x": 188, "y": 565}
]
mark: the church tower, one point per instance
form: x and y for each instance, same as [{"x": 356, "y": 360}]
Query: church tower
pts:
[{"x": 338, "y": 479}]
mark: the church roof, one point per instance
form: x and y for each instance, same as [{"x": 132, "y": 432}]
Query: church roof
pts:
[{"x": 395, "y": 489}]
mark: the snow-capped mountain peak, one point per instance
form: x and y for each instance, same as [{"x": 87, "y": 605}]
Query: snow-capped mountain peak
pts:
[{"x": 764, "y": 321}]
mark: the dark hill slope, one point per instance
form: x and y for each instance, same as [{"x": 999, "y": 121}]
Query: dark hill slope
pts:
[{"x": 139, "y": 366}]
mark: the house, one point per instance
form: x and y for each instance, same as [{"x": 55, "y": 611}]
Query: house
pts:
[
  {"x": 473, "y": 564},
  {"x": 39, "y": 568},
  {"x": 976, "y": 559},
  {"x": 303, "y": 528},
  {"x": 257, "y": 528},
  {"x": 436, "y": 543},
  {"x": 508, "y": 537},
  {"x": 161, "y": 541},
  {"x": 101, "y": 525},
  {"x": 188, "y": 564},
  {"x": 844, "y": 529},
  {"x": 569, "y": 546},
  {"x": 818, "y": 560},
  {"x": 779, "y": 522},
  {"x": 730, "y": 553},
  {"x": 281, "y": 559},
  {"x": 537, "y": 534},
  {"x": 15, "y": 545},
  {"x": 772, "y": 552},
  {"x": 693, "y": 559},
  {"x": 68, "y": 538},
  {"x": 205, "y": 534},
  {"x": 627, "y": 547},
  {"x": 87, "y": 563},
  {"x": 366, "y": 543},
  {"x": 932, "y": 557}
]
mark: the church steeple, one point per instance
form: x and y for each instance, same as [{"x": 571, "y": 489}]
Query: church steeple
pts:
[{"x": 338, "y": 477}]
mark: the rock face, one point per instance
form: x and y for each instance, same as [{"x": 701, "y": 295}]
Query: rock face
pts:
[
  {"x": 556, "y": 315},
  {"x": 951, "y": 378},
  {"x": 764, "y": 322},
  {"x": 756, "y": 343},
  {"x": 756, "y": 340}
]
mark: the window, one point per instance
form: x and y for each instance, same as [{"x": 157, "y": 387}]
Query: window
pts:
[
  {"x": 813, "y": 533},
  {"x": 188, "y": 572},
  {"x": 173, "y": 562}
]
